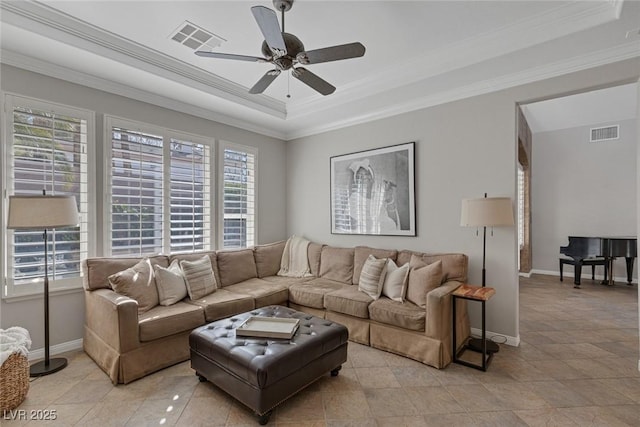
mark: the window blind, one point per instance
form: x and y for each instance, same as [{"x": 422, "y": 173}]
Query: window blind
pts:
[
  {"x": 136, "y": 193},
  {"x": 48, "y": 151},
  {"x": 238, "y": 198},
  {"x": 190, "y": 196}
]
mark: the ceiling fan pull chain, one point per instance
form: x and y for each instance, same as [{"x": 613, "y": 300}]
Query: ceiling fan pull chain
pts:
[{"x": 289, "y": 84}]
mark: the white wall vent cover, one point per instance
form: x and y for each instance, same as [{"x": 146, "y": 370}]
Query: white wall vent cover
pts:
[
  {"x": 606, "y": 133},
  {"x": 196, "y": 38}
]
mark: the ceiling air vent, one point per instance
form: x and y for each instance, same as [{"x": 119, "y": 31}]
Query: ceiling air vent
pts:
[
  {"x": 606, "y": 133},
  {"x": 196, "y": 38}
]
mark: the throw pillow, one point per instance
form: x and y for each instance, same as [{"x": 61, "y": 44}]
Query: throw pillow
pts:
[
  {"x": 395, "y": 281},
  {"x": 138, "y": 283},
  {"x": 199, "y": 277},
  {"x": 170, "y": 282},
  {"x": 372, "y": 276},
  {"x": 422, "y": 279}
]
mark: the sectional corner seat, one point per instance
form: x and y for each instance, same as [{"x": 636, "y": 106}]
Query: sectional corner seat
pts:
[{"x": 128, "y": 345}]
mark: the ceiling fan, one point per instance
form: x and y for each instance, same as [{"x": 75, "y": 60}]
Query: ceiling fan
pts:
[{"x": 285, "y": 51}]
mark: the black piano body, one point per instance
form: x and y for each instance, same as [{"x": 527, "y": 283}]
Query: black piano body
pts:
[{"x": 582, "y": 249}]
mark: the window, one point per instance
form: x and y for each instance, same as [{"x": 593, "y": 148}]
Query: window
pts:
[
  {"x": 160, "y": 191},
  {"x": 520, "y": 206},
  {"x": 47, "y": 149},
  {"x": 238, "y": 195}
]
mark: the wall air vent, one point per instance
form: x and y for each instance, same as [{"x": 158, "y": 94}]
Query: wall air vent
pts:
[
  {"x": 196, "y": 38},
  {"x": 606, "y": 133}
]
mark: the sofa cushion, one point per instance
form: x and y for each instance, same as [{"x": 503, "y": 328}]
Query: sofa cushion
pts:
[
  {"x": 199, "y": 277},
  {"x": 163, "y": 321},
  {"x": 236, "y": 265},
  {"x": 348, "y": 300},
  {"x": 361, "y": 254},
  {"x": 96, "y": 271},
  {"x": 454, "y": 266},
  {"x": 372, "y": 276},
  {"x": 311, "y": 293},
  {"x": 337, "y": 264},
  {"x": 170, "y": 283},
  {"x": 137, "y": 282},
  {"x": 268, "y": 258},
  {"x": 286, "y": 281},
  {"x": 313, "y": 254},
  {"x": 263, "y": 292},
  {"x": 223, "y": 303},
  {"x": 423, "y": 278},
  {"x": 198, "y": 255},
  {"x": 395, "y": 281},
  {"x": 403, "y": 315}
]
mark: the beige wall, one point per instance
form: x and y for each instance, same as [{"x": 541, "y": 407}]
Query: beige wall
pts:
[
  {"x": 67, "y": 311},
  {"x": 464, "y": 148}
]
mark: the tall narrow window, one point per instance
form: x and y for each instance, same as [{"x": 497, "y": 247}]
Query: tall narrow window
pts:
[
  {"x": 47, "y": 150},
  {"x": 136, "y": 193},
  {"x": 238, "y": 196},
  {"x": 190, "y": 196},
  {"x": 520, "y": 206}
]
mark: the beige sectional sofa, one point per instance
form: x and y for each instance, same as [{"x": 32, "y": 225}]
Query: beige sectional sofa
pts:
[{"x": 128, "y": 345}]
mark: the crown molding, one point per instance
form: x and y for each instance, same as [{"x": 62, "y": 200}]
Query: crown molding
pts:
[
  {"x": 53, "y": 70},
  {"x": 623, "y": 52},
  {"x": 51, "y": 23},
  {"x": 551, "y": 24}
]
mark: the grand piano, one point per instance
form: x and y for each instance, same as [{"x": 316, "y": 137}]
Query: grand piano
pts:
[{"x": 583, "y": 249}]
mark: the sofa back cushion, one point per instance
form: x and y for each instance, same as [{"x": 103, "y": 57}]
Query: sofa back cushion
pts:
[
  {"x": 362, "y": 253},
  {"x": 196, "y": 256},
  {"x": 454, "y": 266},
  {"x": 236, "y": 266},
  {"x": 96, "y": 271},
  {"x": 137, "y": 282},
  {"x": 337, "y": 264},
  {"x": 268, "y": 257},
  {"x": 314, "y": 251}
]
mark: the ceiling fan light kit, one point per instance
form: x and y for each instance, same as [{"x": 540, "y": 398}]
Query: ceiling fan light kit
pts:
[{"x": 285, "y": 51}]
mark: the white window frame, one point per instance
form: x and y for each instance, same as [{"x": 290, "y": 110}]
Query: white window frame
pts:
[
  {"x": 222, "y": 146},
  {"x": 167, "y": 134},
  {"x": 9, "y": 289}
]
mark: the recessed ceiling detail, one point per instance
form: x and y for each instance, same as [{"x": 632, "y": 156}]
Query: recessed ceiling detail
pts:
[{"x": 195, "y": 37}]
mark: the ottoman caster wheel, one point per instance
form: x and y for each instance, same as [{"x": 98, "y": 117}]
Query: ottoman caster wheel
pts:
[
  {"x": 334, "y": 373},
  {"x": 264, "y": 418}
]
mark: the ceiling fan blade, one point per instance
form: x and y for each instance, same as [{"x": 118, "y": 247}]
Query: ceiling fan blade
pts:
[
  {"x": 313, "y": 81},
  {"x": 206, "y": 54},
  {"x": 265, "y": 81},
  {"x": 268, "y": 22},
  {"x": 333, "y": 53}
]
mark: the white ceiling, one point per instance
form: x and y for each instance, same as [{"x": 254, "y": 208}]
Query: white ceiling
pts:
[
  {"x": 419, "y": 53},
  {"x": 594, "y": 108}
]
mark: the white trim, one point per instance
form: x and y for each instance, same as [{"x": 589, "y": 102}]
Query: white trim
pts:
[
  {"x": 523, "y": 274},
  {"x": 569, "y": 273},
  {"x": 497, "y": 338},
  {"x": 56, "y": 349}
]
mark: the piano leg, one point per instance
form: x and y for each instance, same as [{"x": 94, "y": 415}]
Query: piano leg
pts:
[
  {"x": 609, "y": 277},
  {"x": 577, "y": 274},
  {"x": 629, "y": 269}
]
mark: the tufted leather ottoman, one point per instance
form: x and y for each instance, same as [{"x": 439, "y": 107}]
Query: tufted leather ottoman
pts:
[{"x": 263, "y": 372}]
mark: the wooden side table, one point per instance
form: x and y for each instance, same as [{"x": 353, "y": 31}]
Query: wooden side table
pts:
[{"x": 472, "y": 293}]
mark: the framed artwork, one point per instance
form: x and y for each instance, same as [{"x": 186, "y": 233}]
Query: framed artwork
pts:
[{"x": 373, "y": 192}]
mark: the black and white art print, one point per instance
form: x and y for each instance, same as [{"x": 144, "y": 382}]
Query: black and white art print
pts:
[{"x": 373, "y": 192}]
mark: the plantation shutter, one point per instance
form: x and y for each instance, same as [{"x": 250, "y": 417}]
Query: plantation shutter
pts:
[
  {"x": 239, "y": 198},
  {"x": 136, "y": 193},
  {"x": 47, "y": 151},
  {"x": 190, "y": 191}
]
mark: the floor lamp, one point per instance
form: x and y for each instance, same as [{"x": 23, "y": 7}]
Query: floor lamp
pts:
[
  {"x": 486, "y": 212},
  {"x": 43, "y": 213}
]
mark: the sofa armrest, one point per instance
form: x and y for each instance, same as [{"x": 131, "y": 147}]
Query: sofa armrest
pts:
[
  {"x": 438, "y": 315},
  {"x": 113, "y": 317}
]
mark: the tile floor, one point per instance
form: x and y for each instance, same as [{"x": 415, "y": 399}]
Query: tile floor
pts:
[{"x": 577, "y": 365}]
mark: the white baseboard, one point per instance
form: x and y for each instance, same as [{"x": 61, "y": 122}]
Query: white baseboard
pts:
[
  {"x": 522, "y": 274},
  {"x": 498, "y": 338},
  {"x": 56, "y": 349},
  {"x": 584, "y": 275}
]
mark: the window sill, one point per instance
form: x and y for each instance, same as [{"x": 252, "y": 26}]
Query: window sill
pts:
[{"x": 18, "y": 297}]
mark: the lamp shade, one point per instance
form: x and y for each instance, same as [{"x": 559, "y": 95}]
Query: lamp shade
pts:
[
  {"x": 486, "y": 212},
  {"x": 42, "y": 212}
]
